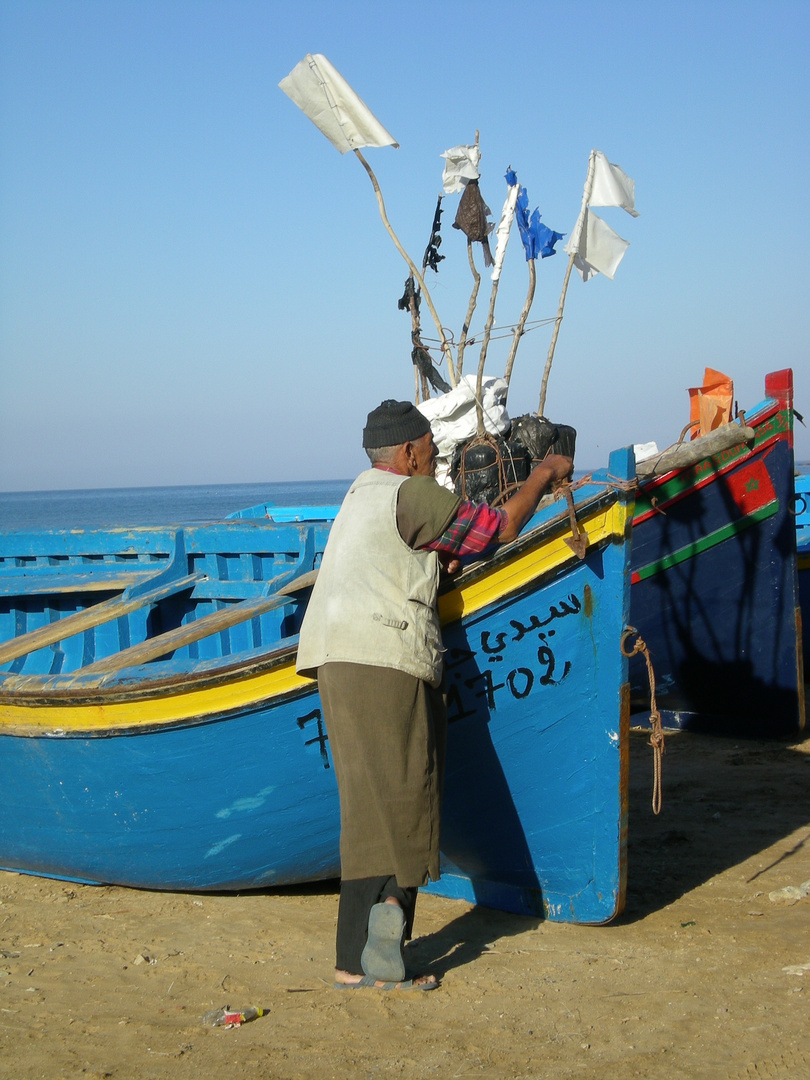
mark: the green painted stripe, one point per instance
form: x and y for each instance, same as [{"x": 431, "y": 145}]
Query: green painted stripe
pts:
[{"x": 706, "y": 542}]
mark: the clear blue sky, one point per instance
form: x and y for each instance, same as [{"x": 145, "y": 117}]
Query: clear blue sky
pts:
[{"x": 195, "y": 287}]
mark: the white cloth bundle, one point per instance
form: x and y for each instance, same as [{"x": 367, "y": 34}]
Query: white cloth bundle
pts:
[{"x": 453, "y": 417}]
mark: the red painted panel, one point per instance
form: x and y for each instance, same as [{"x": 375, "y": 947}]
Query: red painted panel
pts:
[
  {"x": 751, "y": 487},
  {"x": 779, "y": 385}
]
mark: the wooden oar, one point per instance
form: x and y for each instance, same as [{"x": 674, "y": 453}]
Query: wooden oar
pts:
[
  {"x": 96, "y": 615},
  {"x": 214, "y": 623}
]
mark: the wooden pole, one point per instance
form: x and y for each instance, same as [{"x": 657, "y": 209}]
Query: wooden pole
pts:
[
  {"x": 446, "y": 349},
  {"x": 473, "y": 295},
  {"x": 519, "y": 329},
  {"x": 552, "y": 346},
  {"x": 575, "y": 239},
  {"x": 462, "y": 345},
  {"x": 479, "y": 409}
]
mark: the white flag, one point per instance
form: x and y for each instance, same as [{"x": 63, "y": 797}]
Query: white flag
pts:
[
  {"x": 461, "y": 166},
  {"x": 600, "y": 249},
  {"x": 611, "y": 186},
  {"x": 596, "y": 248},
  {"x": 504, "y": 227},
  {"x": 321, "y": 92}
]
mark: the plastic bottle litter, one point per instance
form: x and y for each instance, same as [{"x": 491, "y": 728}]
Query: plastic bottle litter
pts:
[{"x": 231, "y": 1018}]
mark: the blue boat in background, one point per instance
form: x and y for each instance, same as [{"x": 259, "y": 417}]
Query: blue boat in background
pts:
[
  {"x": 154, "y": 733},
  {"x": 274, "y": 512},
  {"x": 803, "y": 558},
  {"x": 715, "y": 592}
]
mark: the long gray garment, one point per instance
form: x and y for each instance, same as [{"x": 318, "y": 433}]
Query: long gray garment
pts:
[{"x": 387, "y": 735}]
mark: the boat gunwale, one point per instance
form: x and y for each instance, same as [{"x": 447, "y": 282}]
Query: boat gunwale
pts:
[
  {"x": 43, "y": 691},
  {"x": 649, "y": 486}
]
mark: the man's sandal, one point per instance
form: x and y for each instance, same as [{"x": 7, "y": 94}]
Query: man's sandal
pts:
[
  {"x": 368, "y": 983},
  {"x": 382, "y": 958}
]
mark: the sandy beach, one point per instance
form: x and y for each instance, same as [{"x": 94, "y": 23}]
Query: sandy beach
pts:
[{"x": 706, "y": 974}]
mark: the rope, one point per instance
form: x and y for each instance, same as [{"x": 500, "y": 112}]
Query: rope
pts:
[
  {"x": 505, "y": 330},
  {"x": 657, "y": 734},
  {"x": 507, "y": 489},
  {"x": 610, "y": 482}
]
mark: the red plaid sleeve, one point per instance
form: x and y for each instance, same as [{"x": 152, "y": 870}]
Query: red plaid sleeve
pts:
[{"x": 474, "y": 528}]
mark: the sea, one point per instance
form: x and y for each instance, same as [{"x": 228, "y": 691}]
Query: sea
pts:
[
  {"x": 190, "y": 505},
  {"x": 185, "y": 505}
]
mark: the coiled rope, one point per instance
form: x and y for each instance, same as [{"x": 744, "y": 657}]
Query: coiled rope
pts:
[{"x": 657, "y": 733}]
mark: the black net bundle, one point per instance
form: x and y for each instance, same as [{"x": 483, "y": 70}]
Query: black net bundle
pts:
[{"x": 489, "y": 468}]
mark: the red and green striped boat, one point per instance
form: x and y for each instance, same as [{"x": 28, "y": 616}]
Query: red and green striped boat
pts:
[
  {"x": 803, "y": 550},
  {"x": 714, "y": 582}
]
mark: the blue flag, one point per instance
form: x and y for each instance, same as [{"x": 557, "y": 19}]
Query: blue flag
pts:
[{"x": 537, "y": 238}]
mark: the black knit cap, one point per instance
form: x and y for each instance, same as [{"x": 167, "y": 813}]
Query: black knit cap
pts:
[{"x": 394, "y": 423}]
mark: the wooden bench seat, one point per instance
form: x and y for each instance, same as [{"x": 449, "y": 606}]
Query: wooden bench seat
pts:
[{"x": 216, "y": 589}]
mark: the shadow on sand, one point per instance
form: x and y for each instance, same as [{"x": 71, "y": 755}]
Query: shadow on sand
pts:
[{"x": 724, "y": 800}]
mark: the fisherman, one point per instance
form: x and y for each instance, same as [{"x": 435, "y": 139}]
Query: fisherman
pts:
[{"x": 371, "y": 637}]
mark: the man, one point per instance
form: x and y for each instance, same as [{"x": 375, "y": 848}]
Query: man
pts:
[{"x": 371, "y": 637}]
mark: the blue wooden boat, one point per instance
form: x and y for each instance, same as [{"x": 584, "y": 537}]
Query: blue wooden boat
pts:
[
  {"x": 154, "y": 733},
  {"x": 715, "y": 592},
  {"x": 803, "y": 559},
  {"x": 277, "y": 512}
]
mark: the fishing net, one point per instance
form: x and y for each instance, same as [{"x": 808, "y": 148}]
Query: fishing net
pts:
[{"x": 489, "y": 468}]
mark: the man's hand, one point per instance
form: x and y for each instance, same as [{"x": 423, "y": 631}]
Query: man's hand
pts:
[
  {"x": 562, "y": 467},
  {"x": 551, "y": 471},
  {"x": 449, "y": 563}
]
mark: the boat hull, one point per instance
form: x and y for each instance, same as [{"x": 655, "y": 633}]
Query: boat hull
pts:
[
  {"x": 715, "y": 592},
  {"x": 216, "y": 774},
  {"x": 803, "y": 560}
]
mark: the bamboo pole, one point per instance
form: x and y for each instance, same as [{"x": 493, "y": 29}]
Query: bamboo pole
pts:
[
  {"x": 521, "y": 326},
  {"x": 479, "y": 408},
  {"x": 575, "y": 239},
  {"x": 470, "y": 308},
  {"x": 504, "y": 228},
  {"x": 445, "y": 344},
  {"x": 552, "y": 346}
]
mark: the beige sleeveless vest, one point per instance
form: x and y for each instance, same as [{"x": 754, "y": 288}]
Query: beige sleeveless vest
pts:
[{"x": 374, "y": 601}]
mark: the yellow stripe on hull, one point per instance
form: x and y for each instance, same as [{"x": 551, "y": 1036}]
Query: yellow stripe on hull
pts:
[
  {"x": 167, "y": 708},
  {"x": 172, "y": 707},
  {"x": 536, "y": 562}
]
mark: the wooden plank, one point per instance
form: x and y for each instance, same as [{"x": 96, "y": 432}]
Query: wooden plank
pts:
[
  {"x": 80, "y": 621},
  {"x": 52, "y": 581},
  {"x": 158, "y": 646}
]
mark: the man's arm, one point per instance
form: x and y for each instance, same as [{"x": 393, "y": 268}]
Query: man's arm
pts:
[
  {"x": 471, "y": 528},
  {"x": 551, "y": 470}
]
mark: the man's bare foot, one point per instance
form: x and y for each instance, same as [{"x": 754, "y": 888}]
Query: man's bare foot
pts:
[{"x": 347, "y": 979}]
